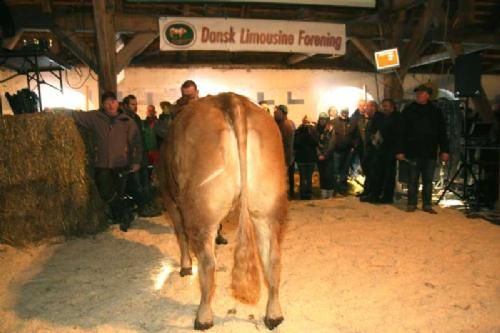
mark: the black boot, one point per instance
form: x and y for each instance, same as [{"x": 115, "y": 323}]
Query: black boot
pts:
[{"x": 125, "y": 222}]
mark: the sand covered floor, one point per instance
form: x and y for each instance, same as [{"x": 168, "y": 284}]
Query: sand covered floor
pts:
[{"x": 346, "y": 267}]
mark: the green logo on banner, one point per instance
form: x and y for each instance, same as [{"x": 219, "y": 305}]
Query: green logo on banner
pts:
[{"x": 180, "y": 34}]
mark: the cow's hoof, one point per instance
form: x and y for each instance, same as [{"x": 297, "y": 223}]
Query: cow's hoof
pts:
[
  {"x": 186, "y": 271},
  {"x": 272, "y": 323},
  {"x": 202, "y": 326}
]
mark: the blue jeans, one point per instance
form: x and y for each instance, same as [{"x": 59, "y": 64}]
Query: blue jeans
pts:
[{"x": 417, "y": 167}]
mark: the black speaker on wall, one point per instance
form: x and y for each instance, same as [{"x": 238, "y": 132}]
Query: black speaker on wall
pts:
[{"x": 468, "y": 75}]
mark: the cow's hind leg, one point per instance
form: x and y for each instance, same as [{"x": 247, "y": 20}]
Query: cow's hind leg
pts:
[
  {"x": 269, "y": 250},
  {"x": 203, "y": 245},
  {"x": 182, "y": 239}
]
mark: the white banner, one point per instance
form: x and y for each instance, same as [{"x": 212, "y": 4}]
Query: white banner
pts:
[{"x": 219, "y": 34}]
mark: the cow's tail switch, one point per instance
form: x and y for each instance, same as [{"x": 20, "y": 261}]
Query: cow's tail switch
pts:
[{"x": 246, "y": 282}]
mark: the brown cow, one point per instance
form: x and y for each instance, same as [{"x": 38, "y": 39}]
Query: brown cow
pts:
[{"x": 223, "y": 154}]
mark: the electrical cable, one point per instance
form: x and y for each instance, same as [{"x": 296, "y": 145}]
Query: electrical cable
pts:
[{"x": 80, "y": 74}]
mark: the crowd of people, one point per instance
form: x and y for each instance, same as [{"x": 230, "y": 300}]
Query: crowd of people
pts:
[
  {"x": 127, "y": 151},
  {"x": 372, "y": 139},
  {"x": 336, "y": 144}
]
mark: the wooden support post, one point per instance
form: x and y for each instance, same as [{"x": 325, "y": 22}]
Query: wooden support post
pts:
[
  {"x": 47, "y": 6},
  {"x": 106, "y": 44},
  {"x": 414, "y": 48},
  {"x": 393, "y": 86},
  {"x": 367, "y": 48}
]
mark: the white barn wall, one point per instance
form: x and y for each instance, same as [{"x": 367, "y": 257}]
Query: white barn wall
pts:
[{"x": 313, "y": 87}]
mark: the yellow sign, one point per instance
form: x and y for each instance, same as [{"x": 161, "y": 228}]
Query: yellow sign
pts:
[{"x": 387, "y": 59}]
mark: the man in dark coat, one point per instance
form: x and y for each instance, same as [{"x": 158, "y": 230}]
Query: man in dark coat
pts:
[
  {"x": 371, "y": 140},
  {"x": 287, "y": 129},
  {"x": 139, "y": 184},
  {"x": 422, "y": 135},
  {"x": 385, "y": 169},
  {"x": 305, "y": 144}
]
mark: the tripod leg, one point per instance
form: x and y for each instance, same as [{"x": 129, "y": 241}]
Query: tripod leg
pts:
[{"x": 448, "y": 186}]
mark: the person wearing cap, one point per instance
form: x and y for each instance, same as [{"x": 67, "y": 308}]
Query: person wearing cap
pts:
[
  {"x": 422, "y": 136},
  {"x": 118, "y": 150},
  {"x": 287, "y": 129},
  {"x": 325, "y": 156}
]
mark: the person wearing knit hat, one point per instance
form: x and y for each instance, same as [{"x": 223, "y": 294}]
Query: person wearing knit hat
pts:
[{"x": 283, "y": 108}]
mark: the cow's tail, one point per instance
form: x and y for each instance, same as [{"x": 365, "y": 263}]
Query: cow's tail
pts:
[{"x": 246, "y": 282}]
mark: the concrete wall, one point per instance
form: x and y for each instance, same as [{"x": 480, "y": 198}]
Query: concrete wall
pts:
[{"x": 306, "y": 92}]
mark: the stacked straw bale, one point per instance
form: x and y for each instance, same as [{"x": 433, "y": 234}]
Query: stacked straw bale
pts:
[{"x": 45, "y": 186}]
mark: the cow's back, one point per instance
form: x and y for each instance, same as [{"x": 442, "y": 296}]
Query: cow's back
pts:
[{"x": 202, "y": 164}]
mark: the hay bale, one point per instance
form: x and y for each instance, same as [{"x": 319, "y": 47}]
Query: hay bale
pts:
[{"x": 45, "y": 187}]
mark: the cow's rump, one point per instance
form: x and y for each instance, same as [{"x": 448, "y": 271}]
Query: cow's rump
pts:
[{"x": 223, "y": 154}]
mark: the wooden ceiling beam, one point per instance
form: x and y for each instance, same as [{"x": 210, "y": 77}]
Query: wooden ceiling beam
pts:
[
  {"x": 411, "y": 52},
  {"x": 366, "y": 47},
  {"x": 404, "y": 5},
  {"x": 76, "y": 46},
  {"x": 465, "y": 14},
  {"x": 440, "y": 56},
  {"x": 10, "y": 43},
  {"x": 299, "y": 57},
  {"x": 133, "y": 48},
  {"x": 134, "y": 23},
  {"x": 47, "y": 6}
]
